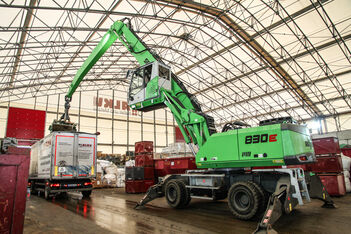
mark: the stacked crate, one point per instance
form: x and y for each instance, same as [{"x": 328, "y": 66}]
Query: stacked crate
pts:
[
  {"x": 329, "y": 165},
  {"x": 142, "y": 176}
]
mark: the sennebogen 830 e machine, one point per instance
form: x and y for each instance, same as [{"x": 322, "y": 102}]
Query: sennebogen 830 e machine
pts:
[{"x": 225, "y": 159}]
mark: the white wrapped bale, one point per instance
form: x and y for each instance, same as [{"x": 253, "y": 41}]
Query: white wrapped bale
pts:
[
  {"x": 112, "y": 169},
  {"x": 120, "y": 177},
  {"x": 99, "y": 167},
  {"x": 130, "y": 163},
  {"x": 110, "y": 179},
  {"x": 346, "y": 162},
  {"x": 347, "y": 183},
  {"x": 104, "y": 163}
]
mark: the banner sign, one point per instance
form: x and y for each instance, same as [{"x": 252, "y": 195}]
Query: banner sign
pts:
[{"x": 109, "y": 104}]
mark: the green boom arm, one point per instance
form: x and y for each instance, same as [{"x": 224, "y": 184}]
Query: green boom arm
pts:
[
  {"x": 128, "y": 38},
  {"x": 194, "y": 125}
]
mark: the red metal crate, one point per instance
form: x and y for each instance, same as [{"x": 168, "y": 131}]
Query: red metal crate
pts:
[
  {"x": 148, "y": 184},
  {"x": 25, "y": 123},
  {"x": 186, "y": 163},
  {"x": 138, "y": 186},
  {"x": 328, "y": 145},
  {"x": 18, "y": 150},
  {"x": 142, "y": 147},
  {"x": 334, "y": 183},
  {"x": 331, "y": 164},
  {"x": 144, "y": 161},
  {"x": 134, "y": 186},
  {"x": 346, "y": 152},
  {"x": 13, "y": 190},
  {"x": 149, "y": 173}
]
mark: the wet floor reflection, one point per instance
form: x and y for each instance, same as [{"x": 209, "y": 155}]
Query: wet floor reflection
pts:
[{"x": 108, "y": 212}]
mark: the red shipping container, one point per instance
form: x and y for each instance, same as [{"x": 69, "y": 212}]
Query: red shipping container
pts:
[
  {"x": 334, "y": 184},
  {"x": 148, "y": 184},
  {"x": 144, "y": 160},
  {"x": 134, "y": 186},
  {"x": 331, "y": 164},
  {"x": 13, "y": 190},
  {"x": 186, "y": 163},
  {"x": 149, "y": 173},
  {"x": 143, "y": 147},
  {"x": 328, "y": 145}
]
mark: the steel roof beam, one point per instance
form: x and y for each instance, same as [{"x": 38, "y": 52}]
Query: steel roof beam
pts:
[
  {"x": 270, "y": 27},
  {"x": 22, "y": 40},
  {"x": 88, "y": 39},
  {"x": 252, "y": 45},
  {"x": 279, "y": 90},
  {"x": 282, "y": 110},
  {"x": 304, "y": 53}
]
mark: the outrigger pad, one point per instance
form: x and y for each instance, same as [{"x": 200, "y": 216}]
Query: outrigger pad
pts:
[
  {"x": 318, "y": 191},
  {"x": 152, "y": 193}
]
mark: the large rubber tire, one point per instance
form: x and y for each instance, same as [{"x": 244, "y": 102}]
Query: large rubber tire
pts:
[
  {"x": 263, "y": 198},
  {"x": 243, "y": 200},
  {"x": 176, "y": 194},
  {"x": 86, "y": 194},
  {"x": 187, "y": 194},
  {"x": 47, "y": 192}
]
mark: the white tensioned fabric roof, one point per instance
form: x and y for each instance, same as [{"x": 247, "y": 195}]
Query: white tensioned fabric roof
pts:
[{"x": 244, "y": 60}]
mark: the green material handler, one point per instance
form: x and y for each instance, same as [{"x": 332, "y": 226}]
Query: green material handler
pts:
[{"x": 230, "y": 162}]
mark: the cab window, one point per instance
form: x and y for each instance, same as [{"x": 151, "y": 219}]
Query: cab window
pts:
[{"x": 163, "y": 72}]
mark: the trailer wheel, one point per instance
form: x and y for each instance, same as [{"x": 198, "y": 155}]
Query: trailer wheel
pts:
[
  {"x": 243, "y": 200},
  {"x": 86, "y": 194},
  {"x": 47, "y": 192},
  {"x": 263, "y": 197},
  {"x": 176, "y": 193}
]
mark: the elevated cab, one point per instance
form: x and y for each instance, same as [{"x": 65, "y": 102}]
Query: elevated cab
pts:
[{"x": 146, "y": 83}]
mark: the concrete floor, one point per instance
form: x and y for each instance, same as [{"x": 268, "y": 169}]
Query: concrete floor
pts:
[{"x": 111, "y": 211}]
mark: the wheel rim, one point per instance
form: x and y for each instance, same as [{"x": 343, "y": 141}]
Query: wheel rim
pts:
[
  {"x": 172, "y": 194},
  {"x": 242, "y": 200}
]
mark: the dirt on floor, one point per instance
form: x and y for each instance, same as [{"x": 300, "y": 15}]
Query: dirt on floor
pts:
[{"x": 112, "y": 211}]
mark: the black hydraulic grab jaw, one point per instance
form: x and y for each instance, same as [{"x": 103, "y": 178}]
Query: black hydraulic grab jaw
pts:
[
  {"x": 64, "y": 124},
  {"x": 65, "y": 115}
]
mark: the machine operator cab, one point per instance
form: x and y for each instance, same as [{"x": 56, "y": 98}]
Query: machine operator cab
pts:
[{"x": 146, "y": 83}]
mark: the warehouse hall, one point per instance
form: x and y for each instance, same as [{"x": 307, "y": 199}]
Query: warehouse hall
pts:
[{"x": 175, "y": 116}]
